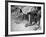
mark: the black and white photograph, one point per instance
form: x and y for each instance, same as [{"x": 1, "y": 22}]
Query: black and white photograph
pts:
[{"x": 24, "y": 18}]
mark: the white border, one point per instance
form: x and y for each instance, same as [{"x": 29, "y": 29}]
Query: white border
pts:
[{"x": 23, "y": 32}]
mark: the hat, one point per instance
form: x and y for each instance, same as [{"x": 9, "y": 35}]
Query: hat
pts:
[{"x": 26, "y": 10}]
